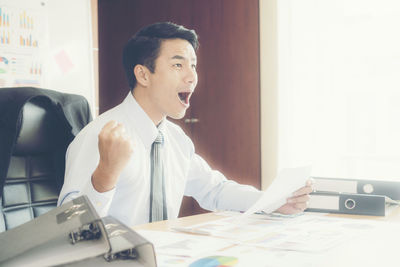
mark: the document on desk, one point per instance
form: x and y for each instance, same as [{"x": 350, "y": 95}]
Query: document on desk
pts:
[
  {"x": 318, "y": 240},
  {"x": 287, "y": 182},
  {"x": 183, "y": 245}
]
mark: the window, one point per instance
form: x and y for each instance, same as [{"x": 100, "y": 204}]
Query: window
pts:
[{"x": 339, "y": 87}]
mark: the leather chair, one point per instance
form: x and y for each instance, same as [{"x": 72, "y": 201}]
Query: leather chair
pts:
[{"x": 36, "y": 167}]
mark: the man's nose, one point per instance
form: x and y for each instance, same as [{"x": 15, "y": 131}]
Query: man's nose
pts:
[{"x": 191, "y": 75}]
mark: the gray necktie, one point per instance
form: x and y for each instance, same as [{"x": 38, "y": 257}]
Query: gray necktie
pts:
[{"x": 158, "y": 207}]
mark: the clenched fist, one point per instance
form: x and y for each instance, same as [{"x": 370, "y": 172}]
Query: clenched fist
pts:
[{"x": 115, "y": 148}]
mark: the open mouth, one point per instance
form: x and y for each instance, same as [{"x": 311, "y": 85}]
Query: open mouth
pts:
[{"x": 184, "y": 97}]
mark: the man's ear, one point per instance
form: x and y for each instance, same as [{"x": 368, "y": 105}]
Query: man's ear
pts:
[{"x": 142, "y": 74}]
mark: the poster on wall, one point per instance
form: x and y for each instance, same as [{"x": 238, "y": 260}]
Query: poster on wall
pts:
[
  {"x": 23, "y": 45},
  {"x": 48, "y": 44}
]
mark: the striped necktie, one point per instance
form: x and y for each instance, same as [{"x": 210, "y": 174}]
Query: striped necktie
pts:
[{"x": 158, "y": 207}]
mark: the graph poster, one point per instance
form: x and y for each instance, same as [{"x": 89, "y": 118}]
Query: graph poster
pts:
[{"x": 23, "y": 45}]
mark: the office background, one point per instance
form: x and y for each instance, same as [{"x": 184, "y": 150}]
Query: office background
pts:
[
  {"x": 50, "y": 37},
  {"x": 281, "y": 83}
]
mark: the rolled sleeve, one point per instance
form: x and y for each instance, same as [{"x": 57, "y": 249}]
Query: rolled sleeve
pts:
[
  {"x": 101, "y": 201},
  {"x": 82, "y": 158}
]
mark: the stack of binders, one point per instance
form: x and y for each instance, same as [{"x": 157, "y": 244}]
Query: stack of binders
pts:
[
  {"x": 352, "y": 196},
  {"x": 74, "y": 235}
]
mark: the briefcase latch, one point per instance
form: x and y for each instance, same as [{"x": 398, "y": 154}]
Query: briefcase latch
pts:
[{"x": 88, "y": 231}]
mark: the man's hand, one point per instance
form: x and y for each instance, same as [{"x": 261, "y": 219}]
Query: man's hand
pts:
[
  {"x": 115, "y": 148},
  {"x": 299, "y": 200}
]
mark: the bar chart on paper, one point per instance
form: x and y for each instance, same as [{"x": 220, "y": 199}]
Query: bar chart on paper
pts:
[
  {"x": 215, "y": 261},
  {"x": 23, "y": 40}
]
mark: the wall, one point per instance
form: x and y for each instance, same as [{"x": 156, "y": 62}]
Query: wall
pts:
[
  {"x": 268, "y": 88},
  {"x": 67, "y": 58}
]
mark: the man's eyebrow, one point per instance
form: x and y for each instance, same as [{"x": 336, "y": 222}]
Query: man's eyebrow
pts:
[
  {"x": 178, "y": 57},
  {"x": 182, "y": 58}
]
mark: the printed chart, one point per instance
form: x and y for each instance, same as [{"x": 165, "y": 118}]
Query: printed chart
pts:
[
  {"x": 23, "y": 40},
  {"x": 215, "y": 261}
]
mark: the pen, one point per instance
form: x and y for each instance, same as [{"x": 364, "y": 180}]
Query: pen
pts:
[{"x": 190, "y": 230}]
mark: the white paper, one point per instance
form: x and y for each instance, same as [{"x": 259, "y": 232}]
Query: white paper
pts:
[
  {"x": 183, "y": 245},
  {"x": 287, "y": 182},
  {"x": 305, "y": 240}
]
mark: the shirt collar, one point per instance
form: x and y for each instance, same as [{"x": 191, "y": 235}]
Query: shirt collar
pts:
[{"x": 142, "y": 123}]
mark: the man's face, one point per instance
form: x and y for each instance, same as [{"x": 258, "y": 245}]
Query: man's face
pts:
[{"x": 174, "y": 79}]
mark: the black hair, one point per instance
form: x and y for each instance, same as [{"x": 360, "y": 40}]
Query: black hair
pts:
[{"x": 144, "y": 47}]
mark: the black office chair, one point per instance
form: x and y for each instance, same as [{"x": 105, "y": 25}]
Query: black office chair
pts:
[{"x": 37, "y": 162}]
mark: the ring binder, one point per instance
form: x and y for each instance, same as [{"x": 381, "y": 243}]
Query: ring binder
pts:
[
  {"x": 21, "y": 246},
  {"x": 74, "y": 235},
  {"x": 390, "y": 189},
  {"x": 347, "y": 203},
  {"x": 126, "y": 248}
]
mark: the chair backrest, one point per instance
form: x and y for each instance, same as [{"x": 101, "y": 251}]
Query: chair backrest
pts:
[{"x": 36, "y": 169}]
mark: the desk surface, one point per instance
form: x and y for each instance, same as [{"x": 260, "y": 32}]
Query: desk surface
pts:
[
  {"x": 393, "y": 216},
  {"x": 369, "y": 250}
]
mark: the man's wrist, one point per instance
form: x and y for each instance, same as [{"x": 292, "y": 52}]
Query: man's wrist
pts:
[{"x": 101, "y": 181}]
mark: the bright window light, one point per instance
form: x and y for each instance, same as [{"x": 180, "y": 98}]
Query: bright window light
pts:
[{"x": 339, "y": 87}]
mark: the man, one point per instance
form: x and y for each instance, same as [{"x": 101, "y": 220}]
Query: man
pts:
[{"x": 136, "y": 165}]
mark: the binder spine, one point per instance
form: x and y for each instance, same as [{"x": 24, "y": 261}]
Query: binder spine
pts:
[
  {"x": 360, "y": 204},
  {"x": 369, "y": 187}
]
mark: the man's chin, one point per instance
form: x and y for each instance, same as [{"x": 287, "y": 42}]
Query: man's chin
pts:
[{"x": 177, "y": 116}]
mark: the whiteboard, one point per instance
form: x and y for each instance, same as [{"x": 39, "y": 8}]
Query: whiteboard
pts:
[{"x": 65, "y": 58}]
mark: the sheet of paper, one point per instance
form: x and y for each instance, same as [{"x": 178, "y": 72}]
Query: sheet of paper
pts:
[
  {"x": 287, "y": 182},
  {"x": 247, "y": 228},
  {"x": 183, "y": 245},
  {"x": 304, "y": 233},
  {"x": 305, "y": 240},
  {"x": 309, "y": 233},
  {"x": 262, "y": 257}
]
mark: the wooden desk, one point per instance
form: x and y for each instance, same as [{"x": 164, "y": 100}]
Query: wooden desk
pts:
[
  {"x": 393, "y": 216},
  {"x": 370, "y": 250},
  {"x": 184, "y": 221}
]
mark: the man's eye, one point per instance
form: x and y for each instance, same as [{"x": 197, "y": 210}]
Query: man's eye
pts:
[
  {"x": 179, "y": 65},
  {"x": 194, "y": 66}
]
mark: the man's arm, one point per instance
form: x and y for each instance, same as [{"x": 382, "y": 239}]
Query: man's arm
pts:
[
  {"x": 214, "y": 192},
  {"x": 115, "y": 149},
  {"x": 96, "y": 159}
]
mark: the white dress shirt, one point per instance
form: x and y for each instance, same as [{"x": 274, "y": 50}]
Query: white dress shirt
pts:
[{"x": 186, "y": 173}]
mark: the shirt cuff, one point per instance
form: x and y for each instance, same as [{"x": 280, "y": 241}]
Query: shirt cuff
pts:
[
  {"x": 237, "y": 197},
  {"x": 100, "y": 201},
  {"x": 250, "y": 199}
]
